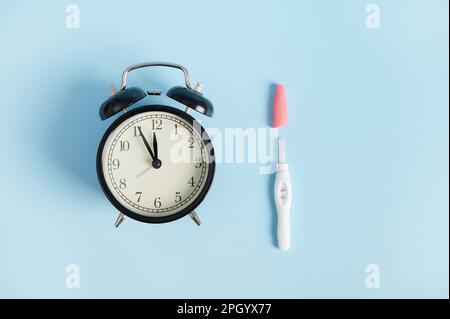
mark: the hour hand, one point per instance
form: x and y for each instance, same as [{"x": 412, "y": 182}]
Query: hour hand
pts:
[
  {"x": 156, "y": 163},
  {"x": 155, "y": 145}
]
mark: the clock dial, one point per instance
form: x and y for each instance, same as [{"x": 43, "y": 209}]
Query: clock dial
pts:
[{"x": 155, "y": 163}]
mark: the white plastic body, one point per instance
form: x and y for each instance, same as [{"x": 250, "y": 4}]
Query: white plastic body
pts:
[{"x": 283, "y": 194}]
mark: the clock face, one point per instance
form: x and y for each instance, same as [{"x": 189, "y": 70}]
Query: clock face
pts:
[{"x": 154, "y": 164}]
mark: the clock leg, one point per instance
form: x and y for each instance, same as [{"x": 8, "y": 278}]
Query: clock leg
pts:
[
  {"x": 119, "y": 220},
  {"x": 195, "y": 218}
]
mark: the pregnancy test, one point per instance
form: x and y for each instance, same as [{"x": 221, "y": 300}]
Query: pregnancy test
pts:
[{"x": 282, "y": 187}]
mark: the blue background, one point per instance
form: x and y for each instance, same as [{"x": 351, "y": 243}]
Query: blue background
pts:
[{"x": 367, "y": 146}]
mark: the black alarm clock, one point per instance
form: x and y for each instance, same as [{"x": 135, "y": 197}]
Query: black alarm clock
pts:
[{"x": 155, "y": 163}]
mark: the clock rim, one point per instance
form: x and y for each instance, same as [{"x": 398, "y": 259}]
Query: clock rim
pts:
[{"x": 149, "y": 219}]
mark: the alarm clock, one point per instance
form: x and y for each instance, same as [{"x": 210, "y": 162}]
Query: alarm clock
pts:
[{"x": 155, "y": 163}]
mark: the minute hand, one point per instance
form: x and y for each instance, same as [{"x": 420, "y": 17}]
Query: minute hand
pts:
[{"x": 147, "y": 146}]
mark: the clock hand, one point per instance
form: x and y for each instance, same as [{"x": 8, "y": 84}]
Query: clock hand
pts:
[
  {"x": 147, "y": 146},
  {"x": 156, "y": 163},
  {"x": 155, "y": 145},
  {"x": 144, "y": 172}
]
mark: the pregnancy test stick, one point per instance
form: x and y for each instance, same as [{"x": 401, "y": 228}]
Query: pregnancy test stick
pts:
[
  {"x": 282, "y": 193},
  {"x": 282, "y": 187}
]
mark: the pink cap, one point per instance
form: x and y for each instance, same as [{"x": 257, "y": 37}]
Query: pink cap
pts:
[{"x": 280, "y": 116}]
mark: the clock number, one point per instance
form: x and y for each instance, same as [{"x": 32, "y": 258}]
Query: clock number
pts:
[
  {"x": 191, "y": 142},
  {"x": 157, "y": 202},
  {"x": 198, "y": 162},
  {"x": 156, "y": 124},
  {"x": 116, "y": 163},
  {"x": 191, "y": 181},
  {"x": 176, "y": 129},
  {"x": 177, "y": 197},
  {"x": 138, "y": 194},
  {"x": 123, "y": 183},
  {"x": 137, "y": 130},
  {"x": 124, "y": 146}
]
